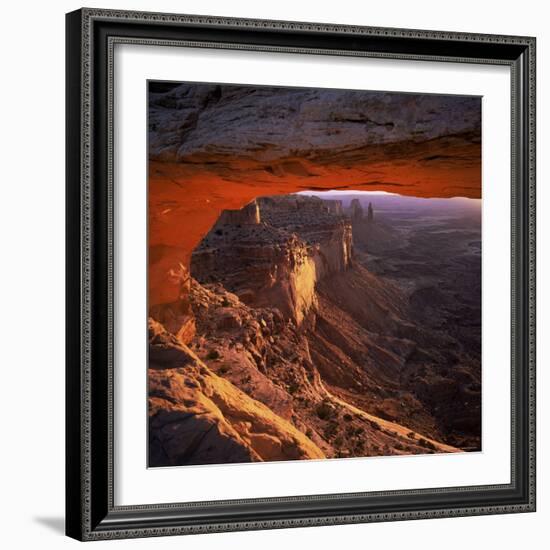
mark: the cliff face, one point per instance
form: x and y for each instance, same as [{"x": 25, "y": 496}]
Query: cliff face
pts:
[
  {"x": 205, "y": 119},
  {"x": 272, "y": 340},
  {"x": 295, "y": 242},
  {"x": 361, "y": 223},
  {"x": 320, "y": 224},
  {"x": 247, "y": 388},
  {"x": 247, "y": 215},
  {"x": 356, "y": 211},
  {"x": 197, "y": 417},
  {"x": 215, "y": 148},
  {"x": 299, "y": 351}
]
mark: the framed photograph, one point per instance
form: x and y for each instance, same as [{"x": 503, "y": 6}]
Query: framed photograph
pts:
[{"x": 300, "y": 274}]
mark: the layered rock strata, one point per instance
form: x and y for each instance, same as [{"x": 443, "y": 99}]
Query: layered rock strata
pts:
[
  {"x": 217, "y": 147},
  {"x": 295, "y": 242},
  {"x": 276, "y": 363},
  {"x": 197, "y": 417},
  {"x": 298, "y": 350},
  {"x": 276, "y": 123}
]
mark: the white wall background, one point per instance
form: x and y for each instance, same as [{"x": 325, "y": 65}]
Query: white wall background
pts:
[{"x": 32, "y": 271}]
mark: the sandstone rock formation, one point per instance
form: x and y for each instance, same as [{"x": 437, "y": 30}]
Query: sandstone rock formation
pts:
[
  {"x": 215, "y": 148},
  {"x": 370, "y": 213},
  {"x": 335, "y": 207},
  {"x": 276, "y": 363},
  {"x": 361, "y": 225},
  {"x": 270, "y": 263},
  {"x": 189, "y": 121},
  {"x": 270, "y": 337},
  {"x": 196, "y": 417},
  {"x": 356, "y": 211},
  {"x": 341, "y": 376},
  {"x": 247, "y": 215},
  {"x": 320, "y": 224}
]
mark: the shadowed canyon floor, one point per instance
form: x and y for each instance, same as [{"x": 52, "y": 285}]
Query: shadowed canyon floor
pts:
[{"x": 324, "y": 328}]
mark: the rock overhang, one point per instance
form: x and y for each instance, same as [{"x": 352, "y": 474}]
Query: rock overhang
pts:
[{"x": 215, "y": 148}]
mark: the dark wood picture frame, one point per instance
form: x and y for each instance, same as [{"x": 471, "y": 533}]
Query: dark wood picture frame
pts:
[{"x": 90, "y": 510}]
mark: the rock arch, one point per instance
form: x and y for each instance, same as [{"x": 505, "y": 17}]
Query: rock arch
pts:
[{"x": 213, "y": 149}]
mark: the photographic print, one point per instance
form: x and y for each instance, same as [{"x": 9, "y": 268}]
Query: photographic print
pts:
[{"x": 314, "y": 273}]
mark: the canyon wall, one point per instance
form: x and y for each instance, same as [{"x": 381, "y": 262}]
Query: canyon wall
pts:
[
  {"x": 362, "y": 224},
  {"x": 269, "y": 320},
  {"x": 247, "y": 215},
  {"x": 300, "y": 351},
  {"x": 321, "y": 224},
  {"x": 294, "y": 242}
]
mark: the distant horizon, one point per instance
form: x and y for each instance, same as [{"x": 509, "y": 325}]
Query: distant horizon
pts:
[
  {"x": 345, "y": 192},
  {"x": 383, "y": 194}
]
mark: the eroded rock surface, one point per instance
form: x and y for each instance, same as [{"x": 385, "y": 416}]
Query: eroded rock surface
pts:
[
  {"x": 214, "y": 148},
  {"x": 346, "y": 374},
  {"x": 294, "y": 242},
  {"x": 302, "y": 328},
  {"x": 197, "y": 417},
  {"x": 273, "y": 124}
]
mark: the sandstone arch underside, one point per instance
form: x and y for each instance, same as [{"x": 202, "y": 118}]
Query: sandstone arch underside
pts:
[{"x": 214, "y": 148}]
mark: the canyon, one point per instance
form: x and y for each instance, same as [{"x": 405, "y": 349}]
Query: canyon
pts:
[
  {"x": 322, "y": 328},
  {"x": 293, "y": 313},
  {"x": 216, "y": 147}
]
